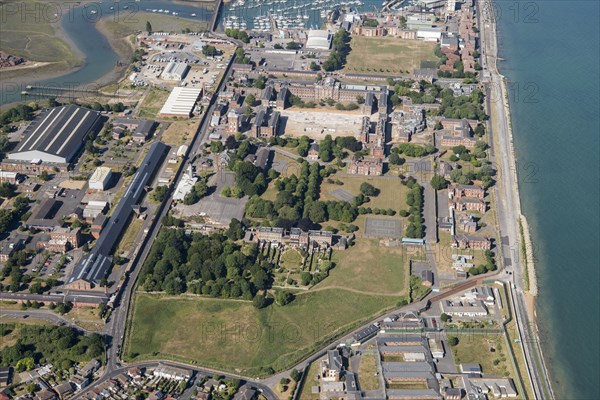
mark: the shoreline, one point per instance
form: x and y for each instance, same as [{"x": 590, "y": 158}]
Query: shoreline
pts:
[
  {"x": 120, "y": 45},
  {"x": 530, "y": 294}
]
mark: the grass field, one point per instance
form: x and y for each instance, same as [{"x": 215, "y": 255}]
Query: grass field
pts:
[
  {"x": 475, "y": 348},
  {"x": 152, "y": 102},
  {"x": 137, "y": 23},
  {"x": 367, "y": 372},
  {"x": 388, "y": 55},
  {"x": 392, "y": 192},
  {"x": 227, "y": 334},
  {"x": 180, "y": 132},
  {"x": 368, "y": 267}
]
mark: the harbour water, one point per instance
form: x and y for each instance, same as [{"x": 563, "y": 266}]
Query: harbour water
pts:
[
  {"x": 551, "y": 60},
  {"x": 100, "y": 58}
]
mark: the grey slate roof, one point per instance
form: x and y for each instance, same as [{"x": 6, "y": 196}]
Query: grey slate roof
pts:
[
  {"x": 95, "y": 264},
  {"x": 59, "y": 131}
]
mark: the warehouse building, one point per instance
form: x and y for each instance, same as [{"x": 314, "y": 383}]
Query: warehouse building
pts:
[
  {"x": 96, "y": 264},
  {"x": 55, "y": 137},
  {"x": 318, "y": 39},
  {"x": 181, "y": 102},
  {"x": 100, "y": 178},
  {"x": 175, "y": 71}
]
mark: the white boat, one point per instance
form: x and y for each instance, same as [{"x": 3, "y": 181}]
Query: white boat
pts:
[{"x": 193, "y": 14}]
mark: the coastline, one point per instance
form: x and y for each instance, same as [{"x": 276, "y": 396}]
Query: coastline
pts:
[{"x": 528, "y": 258}]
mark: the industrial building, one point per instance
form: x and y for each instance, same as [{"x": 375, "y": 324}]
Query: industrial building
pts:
[
  {"x": 100, "y": 178},
  {"x": 95, "y": 265},
  {"x": 55, "y": 136},
  {"x": 181, "y": 102},
  {"x": 318, "y": 39},
  {"x": 175, "y": 71}
]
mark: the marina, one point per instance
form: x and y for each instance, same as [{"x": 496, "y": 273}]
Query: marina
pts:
[{"x": 266, "y": 16}]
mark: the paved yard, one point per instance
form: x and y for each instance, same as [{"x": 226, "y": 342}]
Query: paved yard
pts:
[
  {"x": 342, "y": 195},
  {"x": 383, "y": 227}
]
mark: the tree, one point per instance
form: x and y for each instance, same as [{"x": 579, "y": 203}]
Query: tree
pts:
[
  {"x": 44, "y": 176},
  {"x": 395, "y": 159},
  {"x": 368, "y": 190},
  {"x": 209, "y": 51},
  {"x": 295, "y": 375},
  {"x": 250, "y": 100},
  {"x": 148, "y": 26},
  {"x": 452, "y": 340},
  {"x": 260, "y": 82},
  {"x": 260, "y": 301},
  {"x": 25, "y": 364},
  {"x": 235, "y": 231},
  {"x": 283, "y": 297},
  {"x": 36, "y": 288},
  {"x": 160, "y": 193},
  {"x": 438, "y": 182},
  {"x": 445, "y": 317}
]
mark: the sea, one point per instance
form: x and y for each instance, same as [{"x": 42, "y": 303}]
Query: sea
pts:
[{"x": 550, "y": 52}]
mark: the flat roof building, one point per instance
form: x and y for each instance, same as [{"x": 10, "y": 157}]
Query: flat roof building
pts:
[
  {"x": 319, "y": 39},
  {"x": 181, "y": 102},
  {"x": 175, "y": 71},
  {"x": 100, "y": 178},
  {"x": 56, "y": 135}
]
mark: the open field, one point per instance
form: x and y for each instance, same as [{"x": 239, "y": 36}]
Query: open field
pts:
[
  {"x": 86, "y": 317},
  {"x": 153, "y": 102},
  {"x": 392, "y": 192},
  {"x": 389, "y": 55},
  {"x": 367, "y": 372},
  {"x": 368, "y": 267},
  {"x": 180, "y": 132},
  {"x": 160, "y": 23},
  {"x": 227, "y": 334},
  {"x": 475, "y": 348}
]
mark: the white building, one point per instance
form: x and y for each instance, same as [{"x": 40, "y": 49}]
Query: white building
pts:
[
  {"x": 437, "y": 348},
  {"x": 181, "y": 102},
  {"x": 451, "y": 6},
  {"x": 174, "y": 373},
  {"x": 175, "y": 71},
  {"x": 429, "y": 34},
  {"x": 100, "y": 178},
  {"x": 319, "y": 39}
]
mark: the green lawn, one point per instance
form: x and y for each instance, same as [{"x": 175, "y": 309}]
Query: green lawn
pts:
[
  {"x": 388, "y": 55},
  {"x": 368, "y": 267},
  {"x": 291, "y": 259},
  {"x": 167, "y": 23},
  {"x": 392, "y": 192},
  {"x": 475, "y": 348},
  {"x": 229, "y": 334},
  {"x": 367, "y": 372},
  {"x": 152, "y": 103}
]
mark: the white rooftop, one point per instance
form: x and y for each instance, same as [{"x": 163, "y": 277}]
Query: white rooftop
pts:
[{"x": 181, "y": 101}]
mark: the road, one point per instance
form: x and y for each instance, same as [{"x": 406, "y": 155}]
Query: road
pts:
[
  {"x": 42, "y": 315},
  {"x": 508, "y": 203}
]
